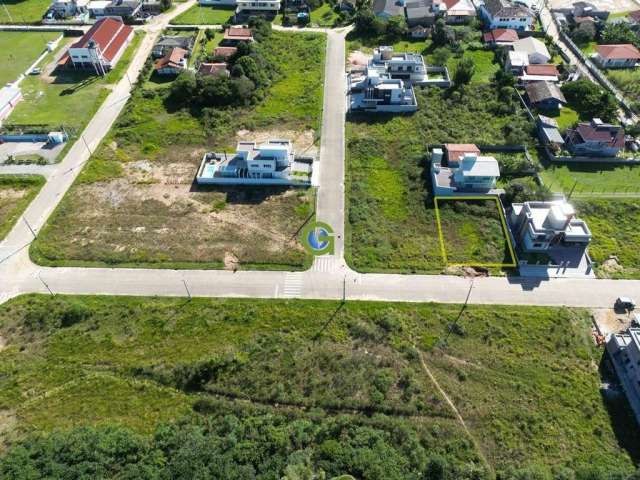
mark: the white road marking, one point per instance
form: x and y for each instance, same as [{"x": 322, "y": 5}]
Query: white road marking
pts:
[{"x": 293, "y": 284}]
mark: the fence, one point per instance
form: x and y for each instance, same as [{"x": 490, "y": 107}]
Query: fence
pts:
[{"x": 581, "y": 159}]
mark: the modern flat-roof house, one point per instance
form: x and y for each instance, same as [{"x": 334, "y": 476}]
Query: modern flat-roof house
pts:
[
  {"x": 504, "y": 14},
  {"x": 271, "y": 163},
  {"x": 174, "y": 62},
  {"x": 10, "y": 95},
  {"x": 377, "y": 92},
  {"x": 466, "y": 171},
  {"x": 544, "y": 226},
  {"x": 536, "y": 51},
  {"x": 101, "y": 47},
  {"x": 617, "y": 56},
  {"x": 265, "y": 8},
  {"x": 624, "y": 353},
  {"x": 545, "y": 95},
  {"x": 69, "y": 8},
  {"x": 409, "y": 67},
  {"x": 123, "y": 8},
  {"x": 595, "y": 139},
  {"x": 169, "y": 42},
  {"x": 500, "y": 37},
  {"x": 97, "y": 7}
]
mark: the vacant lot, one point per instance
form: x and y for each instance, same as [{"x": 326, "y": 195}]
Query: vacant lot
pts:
[
  {"x": 628, "y": 81},
  {"x": 615, "y": 238},
  {"x": 473, "y": 233},
  {"x": 391, "y": 219},
  {"x": 591, "y": 179},
  {"x": 525, "y": 380},
  {"x": 16, "y": 192},
  {"x": 23, "y": 11},
  {"x": 141, "y": 180},
  {"x": 18, "y": 50},
  {"x": 198, "y": 15}
]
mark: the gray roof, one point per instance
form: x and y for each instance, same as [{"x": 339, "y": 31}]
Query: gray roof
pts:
[
  {"x": 418, "y": 11},
  {"x": 552, "y": 135},
  {"x": 540, "y": 91},
  {"x": 388, "y": 7},
  {"x": 174, "y": 41},
  {"x": 503, "y": 8}
]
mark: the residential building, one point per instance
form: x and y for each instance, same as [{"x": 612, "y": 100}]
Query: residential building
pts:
[
  {"x": 213, "y": 69},
  {"x": 583, "y": 9},
  {"x": 500, "y": 37},
  {"x": 169, "y": 42},
  {"x": 617, "y": 56},
  {"x": 377, "y": 92},
  {"x": 549, "y": 133},
  {"x": 217, "y": 3},
  {"x": 504, "y": 14},
  {"x": 545, "y": 95},
  {"x": 101, "y": 47},
  {"x": 405, "y": 66},
  {"x": 545, "y": 226},
  {"x": 595, "y": 139},
  {"x": 459, "y": 11},
  {"x": 68, "y": 8},
  {"x": 174, "y": 62},
  {"x": 271, "y": 163},
  {"x": 388, "y": 8},
  {"x": 419, "y": 32},
  {"x": 97, "y": 8},
  {"x": 10, "y": 95},
  {"x": 247, "y": 8},
  {"x": 466, "y": 171},
  {"x": 540, "y": 73},
  {"x": 624, "y": 353},
  {"x": 224, "y": 52},
  {"x": 516, "y": 62},
  {"x": 420, "y": 13},
  {"x": 537, "y": 52},
  {"x": 234, "y": 35},
  {"x": 123, "y": 8}
]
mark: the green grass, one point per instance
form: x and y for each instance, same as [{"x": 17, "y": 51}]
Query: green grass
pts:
[
  {"x": 483, "y": 60},
  {"x": 391, "y": 224},
  {"x": 324, "y": 16},
  {"x": 524, "y": 379},
  {"x": 566, "y": 117},
  {"x": 18, "y": 50},
  {"x": 613, "y": 224},
  {"x": 257, "y": 226},
  {"x": 72, "y": 99},
  {"x": 589, "y": 48},
  {"x": 198, "y": 15},
  {"x": 591, "y": 178},
  {"x": 16, "y": 193},
  {"x": 23, "y": 11}
]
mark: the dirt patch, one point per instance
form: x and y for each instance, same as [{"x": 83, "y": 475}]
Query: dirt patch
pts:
[
  {"x": 303, "y": 142},
  {"x": 608, "y": 321},
  {"x": 231, "y": 262},
  {"x": 358, "y": 59},
  {"x": 11, "y": 193},
  {"x": 3, "y": 343},
  {"x": 8, "y": 423},
  {"x": 611, "y": 265}
]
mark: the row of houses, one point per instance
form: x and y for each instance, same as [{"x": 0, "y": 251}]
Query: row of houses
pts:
[
  {"x": 64, "y": 9},
  {"x": 247, "y": 8}
]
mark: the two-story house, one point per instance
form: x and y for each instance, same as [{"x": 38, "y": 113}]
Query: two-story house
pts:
[
  {"x": 68, "y": 8},
  {"x": 504, "y": 14},
  {"x": 595, "y": 139},
  {"x": 404, "y": 66},
  {"x": 466, "y": 171},
  {"x": 377, "y": 92},
  {"x": 624, "y": 353}
]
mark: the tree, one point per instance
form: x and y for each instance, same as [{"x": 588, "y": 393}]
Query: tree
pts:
[
  {"x": 464, "y": 71},
  {"x": 585, "y": 33},
  {"x": 590, "y": 101},
  {"x": 396, "y": 28},
  {"x": 237, "y": 71},
  {"x": 364, "y": 20},
  {"x": 504, "y": 79},
  {"x": 620, "y": 33},
  {"x": 184, "y": 88},
  {"x": 441, "y": 55},
  {"x": 166, "y": 4},
  {"x": 439, "y": 35}
]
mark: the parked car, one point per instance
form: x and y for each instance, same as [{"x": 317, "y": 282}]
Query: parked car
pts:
[
  {"x": 35, "y": 71},
  {"x": 625, "y": 303}
]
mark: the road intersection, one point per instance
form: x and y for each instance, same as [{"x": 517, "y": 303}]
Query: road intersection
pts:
[{"x": 329, "y": 277}]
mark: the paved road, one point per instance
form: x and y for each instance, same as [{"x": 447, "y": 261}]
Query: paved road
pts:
[{"x": 329, "y": 278}]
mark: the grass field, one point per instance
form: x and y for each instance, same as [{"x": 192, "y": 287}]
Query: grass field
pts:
[
  {"x": 141, "y": 180},
  {"x": 30, "y": 46},
  {"x": 525, "y": 379},
  {"x": 323, "y": 16},
  {"x": 198, "y": 15},
  {"x": 483, "y": 60},
  {"x": 591, "y": 179},
  {"x": 16, "y": 192},
  {"x": 473, "y": 233},
  {"x": 391, "y": 220},
  {"x": 613, "y": 226},
  {"x": 566, "y": 117},
  {"x": 628, "y": 81},
  {"x": 23, "y": 11}
]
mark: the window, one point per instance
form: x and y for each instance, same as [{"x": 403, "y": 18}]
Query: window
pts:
[{"x": 537, "y": 245}]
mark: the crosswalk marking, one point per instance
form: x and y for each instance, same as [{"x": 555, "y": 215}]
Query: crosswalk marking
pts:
[
  {"x": 325, "y": 263},
  {"x": 293, "y": 284}
]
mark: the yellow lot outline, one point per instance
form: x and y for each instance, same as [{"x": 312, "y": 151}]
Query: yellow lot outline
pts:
[{"x": 505, "y": 231}]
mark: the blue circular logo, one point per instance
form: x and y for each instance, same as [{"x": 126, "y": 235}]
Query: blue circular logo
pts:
[{"x": 317, "y": 239}]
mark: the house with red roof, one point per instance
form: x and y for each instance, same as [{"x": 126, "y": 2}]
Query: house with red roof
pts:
[
  {"x": 595, "y": 139},
  {"x": 235, "y": 35},
  {"x": 101, "y": 47},
  {"x": 173, "y": 62},
  {"x": 623, "y": 55},
  {"x": 459, "y": 11},
  {"x": 501, "y": 37}
]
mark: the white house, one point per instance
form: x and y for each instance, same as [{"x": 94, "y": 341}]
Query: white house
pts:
[
  {"x": 69, "y": 8},
  {"x": 248, "y": 7},
  {"x": 10, "y": 95},
  {"x": 97, "y": 8},
  {"x": 379, "y": 93},
  {"x": 617, "y": 56},
  {"x": 101, "y": 47},
  {"x": 537, "y": 52},
  {"x": 504, "y": 14},
  {"x": 466, "y": 172},
  {"x": 405, "y": 66},
  {"x": 624, "y": 352},
  {"x": 213, "y": 3},
  {"x": 271, "y": 163},
  {"x": 459, "y": 11},
  {"x": 540, "y": 226}
]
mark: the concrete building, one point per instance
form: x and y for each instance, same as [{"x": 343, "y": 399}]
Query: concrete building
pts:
[
  {"x": 537, "y": 52},
  {"x": 595, "y": 139},
  {"x": 379, "y": 93},
  {"x": 624, "y": 352},
  {"x": 504, "y": 14},
  {"x": 466, "y": 171},
  {"x": 409, "y": 67},
  {"x": 542, "y": 226},
  {"x": 247, "y": 8},
  {"x": 123, "y": 8},
  {"x": 271, "y": 163},
  {"x": 97, "y": 8},
  {"x": 69, "y": 8}
]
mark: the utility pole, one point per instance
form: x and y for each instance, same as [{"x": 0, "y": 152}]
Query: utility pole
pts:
[{"x": 86, "y": 144}]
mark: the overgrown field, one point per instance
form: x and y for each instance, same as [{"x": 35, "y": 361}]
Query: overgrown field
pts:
[
  {"x": 18, "y": 50},
  {"x": 135, "y": 202},
  {"x": 344, "y": 385},
  {"x": 391, "y": 220},
  {"x": 16, "y": 193},
  {"x": 615, "y": 237},
  {"x": 628, "y": 81},
  {"x": 591, "y": 179}
]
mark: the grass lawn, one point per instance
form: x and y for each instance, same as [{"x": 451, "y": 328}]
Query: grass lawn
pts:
[
  {"x": 391, "y": 222},
  {"x": 566, "y": 117},
  {"x": 525, "y": 379},
  {"x": 23, "y": 11},
  {"x": 198, "y": 15},
  {"x": 148, "y": 161},
  {"x": 473, "y": 233},
  {"x": 18, "y": 50},
  {"x": 613, "y": 224},
  {"x": 483, "y": 60},
  {"x": 589, "y": 48},
  {"x": 628, "y": 81},
  {"x": 68, "y": 98},
  {"x": 591, "y": 179},
  {"x": 323, "y": 16},
  {"x": 16, "y": 192}
]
